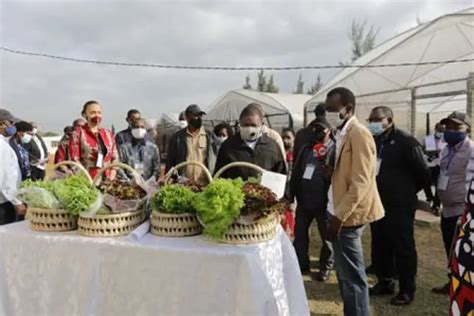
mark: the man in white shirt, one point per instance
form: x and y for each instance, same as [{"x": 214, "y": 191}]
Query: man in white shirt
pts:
[{"x": 10, "y": 177}]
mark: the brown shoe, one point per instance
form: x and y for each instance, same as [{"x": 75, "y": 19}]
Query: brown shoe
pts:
[{"x": 443, "y": 290}]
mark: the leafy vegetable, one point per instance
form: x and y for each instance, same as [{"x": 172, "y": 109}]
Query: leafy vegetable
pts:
[
  {"x": 218, "y": 205},
  {"x": 75, "y": 193},
  {"x": 47, "y": 185},
  {"x": 38, "y": 197},
  {"x": 174, "y": 199}
]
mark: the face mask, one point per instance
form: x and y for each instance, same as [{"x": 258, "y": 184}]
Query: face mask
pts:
[
  {"x": 196, "y": 123},
  {"x": 182, "y": 124},
  {"x": 138, "y": 133},
  {"x": 454, "y": 138},
  {"x": 334, "y": 119},
  {"x": 220, "y": 140},
  {"x": 250, "y": 133},
  {"x": 376, "y": 128},
  {"x": 439, "y": 135},
  {"x": 10, "y": 131},
  {"x": 26, "y": 139},
  {"x": 96, "y": 120}
]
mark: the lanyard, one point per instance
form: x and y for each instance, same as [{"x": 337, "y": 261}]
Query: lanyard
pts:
[{"x": 449, "y": 157}]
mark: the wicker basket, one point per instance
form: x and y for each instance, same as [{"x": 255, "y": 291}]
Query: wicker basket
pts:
[
  {"x": 240, "y": 232},
  {"x": 177, "y": 225},
  {"x": 55, "y": 220},
  {"x": 51, "y": 220},
  {"x": 112, "y": 225}
]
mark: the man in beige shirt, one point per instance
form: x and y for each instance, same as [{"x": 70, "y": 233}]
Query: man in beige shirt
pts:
[{"x": 192, "y": 143}]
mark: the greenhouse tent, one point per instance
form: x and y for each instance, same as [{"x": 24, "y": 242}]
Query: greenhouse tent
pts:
[
  {"x": 281, "y": 110},
  {"x": 425, "y": 88}
]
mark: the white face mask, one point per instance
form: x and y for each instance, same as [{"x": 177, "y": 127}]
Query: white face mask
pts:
[
  {"x": 182, "y": 124},
  {"x": 26, "y": 139},
  {"x": 138, "y": 133},
  {"x": 220, "y": 140},
  {"x": 250, "y": 133},
  {"x": 334, "y": 119}
]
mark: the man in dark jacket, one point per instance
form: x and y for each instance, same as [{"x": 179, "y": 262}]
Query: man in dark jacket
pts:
[
  {"x": 305, "y": 135},
  {"x": 310, "y": 183},
  {"x": 38, "y": 154},
  {"x": 401, "y": 173},
  {"x": 126, "y": 135},
  {"x": 251, "y": 145},
  {"x": 192, "y": 143}
]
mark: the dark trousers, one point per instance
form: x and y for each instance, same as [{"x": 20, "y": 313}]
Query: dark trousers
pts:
[
  {"x": 304, "y": 218},
  {"x": 350, "y": 268},
  {"x": 448, "y": 228},
  {"x": 7, "y": 213},
  {"x": 394, "y": 248},
  {"x": 37, "y": 174}
]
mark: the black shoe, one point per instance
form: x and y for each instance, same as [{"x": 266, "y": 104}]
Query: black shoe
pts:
[
  {"x": 402, "y": 299},
  {"x": 323, "y": 275},
  {"x": 370, "y": 270},
  {"x": 382, "y": 288},
  {"x": 444, "y": 289}
]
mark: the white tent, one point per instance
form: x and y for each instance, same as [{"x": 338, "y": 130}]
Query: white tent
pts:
[
  {"x": 281, "y": 110},
  {"x": 166, "y": 127},
  {"x": 436, "y": 88}
]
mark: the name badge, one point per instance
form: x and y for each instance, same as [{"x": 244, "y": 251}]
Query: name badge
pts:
[
  {"x": 379, "y": 163},
  {"x": 443, "y": 182},
  {"x": 100, "y": 160},
  {"x": 139, "y": 167},
  {"x": 309, "y": 171}
]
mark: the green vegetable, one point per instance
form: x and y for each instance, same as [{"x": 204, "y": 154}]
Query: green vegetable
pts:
[
  {"x": 218, "y": 205},
  {"x": 75, "y": 193},
  {"x": 174, "y": 199},
  {"x": 47, "y": 185},
  {"x": 38, "y": 198}
]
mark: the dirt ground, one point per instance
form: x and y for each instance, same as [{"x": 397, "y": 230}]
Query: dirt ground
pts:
[{"x": 324, "y": 298}]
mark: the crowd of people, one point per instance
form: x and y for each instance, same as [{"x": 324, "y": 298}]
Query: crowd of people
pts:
[{"x": 342, "y": 173}]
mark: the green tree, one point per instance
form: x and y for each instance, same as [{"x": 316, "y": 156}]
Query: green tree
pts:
[
  {"x": 49, "y": 134},
  {"x": 261, "y": 81},
  {"x": 271, "y": 87},
  {"x": 247, "y": 85},
  {"x": 316, "y": 86},
  {"x": 299, "y": 85},
  {"x": 362, "y": 40}
]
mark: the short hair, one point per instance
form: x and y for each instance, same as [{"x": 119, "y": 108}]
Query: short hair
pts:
[
  {"x": 288, "y": 130},
  {"x": 23, "y": 126},
  {"x": 87, "y": 104},
  {"x": 76, "y": 121},
  {"x": 347, "y": 97},
  {"x": 385, "y": 110},
  {"x": 68, "y": 129},
  {"x": 222, "y": 126},
  {"x": 320, "y": 110},
  {"x": 131, "y": 112},
  {"x": 251, "y": 110}
]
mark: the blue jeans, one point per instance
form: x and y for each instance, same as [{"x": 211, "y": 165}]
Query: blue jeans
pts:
[{"x": 350, "y": 267}]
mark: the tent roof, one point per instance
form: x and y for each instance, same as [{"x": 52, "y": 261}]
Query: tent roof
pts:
[
  {"x": 229, "y": 106},
  {"x": 449, "y": 37}
]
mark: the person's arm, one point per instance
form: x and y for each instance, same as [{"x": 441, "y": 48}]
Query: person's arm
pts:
[
  {"x": 415, "y": 159},
  {"x": 75, "y": 146},
  {"x": 222, "y": 158},
  {"x": 172, "y": 152},
  {"x": 362, "y": 173},
  {"x": 11, "y": 168},
  {"x": 280, "y": 166},
  {"x": 60, "y": 154}
]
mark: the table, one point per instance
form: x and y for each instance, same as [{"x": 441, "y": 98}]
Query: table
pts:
[{"x": 66, "y": 274}]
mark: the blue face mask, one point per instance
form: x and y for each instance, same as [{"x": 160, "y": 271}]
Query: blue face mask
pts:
[
  {"x": 376, "y": 128},
  {"x": 10, "y": 131},
  {"x": 453, "y": 138}
]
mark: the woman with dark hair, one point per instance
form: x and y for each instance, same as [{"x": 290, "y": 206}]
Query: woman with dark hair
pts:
[
  {"x": 222, "y": 132},
  {"x": 22, "y": 137},
  {"x": 91, "y": 145}
]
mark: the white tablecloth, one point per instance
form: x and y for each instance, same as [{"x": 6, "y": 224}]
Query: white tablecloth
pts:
[{"x": 66, "y": 274}]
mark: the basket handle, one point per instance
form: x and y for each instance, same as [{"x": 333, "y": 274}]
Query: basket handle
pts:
[
  {"x": 136, "y": 176},
  {"x": 70, "y": 164},
  {"x": 175, "y": 169},
  {"x": 237, "y": 164}
]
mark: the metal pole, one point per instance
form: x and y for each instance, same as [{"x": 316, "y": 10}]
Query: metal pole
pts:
[
  {"x": 305, "y": 116},
  {"x": 413, "y": 112},
  {"x": 428, "y": 123},
  {"x": 470, "y": 100}
]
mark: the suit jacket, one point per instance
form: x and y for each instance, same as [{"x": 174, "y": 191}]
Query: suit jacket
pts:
[
  {"x": 355, "y": 195},
  {"x": 34, "y": 151}
]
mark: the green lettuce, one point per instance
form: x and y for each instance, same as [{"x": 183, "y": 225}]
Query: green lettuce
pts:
[{"x": 174, "y": 199}]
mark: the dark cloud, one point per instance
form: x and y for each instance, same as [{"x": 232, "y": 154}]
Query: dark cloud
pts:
[{"x": 228, "y": 33}]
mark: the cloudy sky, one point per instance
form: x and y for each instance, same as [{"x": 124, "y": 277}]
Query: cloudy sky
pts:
[{"x": 208, "y": 33}]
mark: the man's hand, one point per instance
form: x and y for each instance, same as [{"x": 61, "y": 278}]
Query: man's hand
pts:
[
  {"x": 334, "y": 228},
  {"x": 20, "y": 209}
]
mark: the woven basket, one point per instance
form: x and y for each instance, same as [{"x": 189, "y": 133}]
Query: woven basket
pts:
[
  {"x": 177, "y": 225},
  {"x": 257, "y": 232},
  {"x": 110, "y": 225},
  {"x": 239, "y": 232},
  {"x": 51, "y": 220},
  {"x": 55, "y": 220}
]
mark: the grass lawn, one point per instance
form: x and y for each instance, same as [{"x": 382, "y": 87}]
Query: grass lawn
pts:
[{"x": 324, "y": 298}]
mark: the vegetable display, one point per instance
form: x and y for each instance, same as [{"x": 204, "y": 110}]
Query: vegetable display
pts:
[
  {"x": 122, "y": 189},
  {"x": 174, "y": 199},
  {"x": 75, "y": 193},
  {"x": 38, "y": 197},
  {"x": 218, "y": 206},
  {"x": 260, "y": 201}
]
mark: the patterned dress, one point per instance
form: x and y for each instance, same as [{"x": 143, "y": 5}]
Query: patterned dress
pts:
[{"x": 462, "y": 264}]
